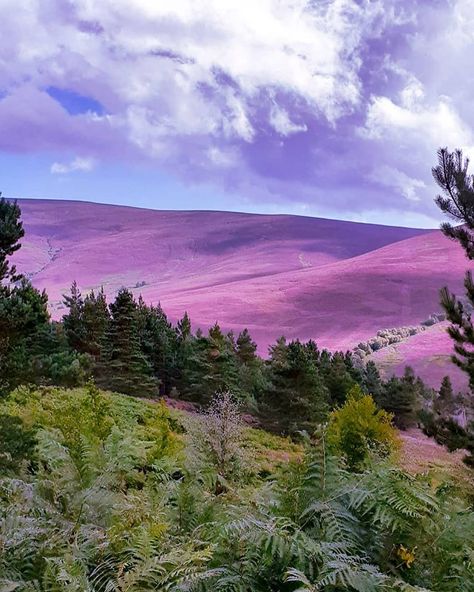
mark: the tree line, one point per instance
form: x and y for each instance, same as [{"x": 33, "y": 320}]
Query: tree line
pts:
[{"x": 131, "y": 347}]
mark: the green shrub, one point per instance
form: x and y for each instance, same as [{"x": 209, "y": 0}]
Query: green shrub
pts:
[
  {"x": 17, "y": 443},
  {"x": 86, "y": 417},
  {"x": 359, "y": 428}
]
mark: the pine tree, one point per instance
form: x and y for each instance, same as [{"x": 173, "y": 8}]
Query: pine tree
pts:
[
  {"x": 96, "y": 319},
  {"x": 457, "y": 185},
  {"x": 461, "y": 329},
  {"x": 211, "y": 367},
  {"x": 123, "y": 367},
  {"x": 184, "y": 350},
  {"x": 86, "y": 320},
  {"x": 337, "y": 378},
  {"x": 11, "y": 232},
  {"x": 183, "y": 328},
  {"x": 23, "y": 309},
  {"x": 445, "y": 403},
  {"x": 401, "y": 398},
  {"x": 452, "y": 176},
  {"x": 159, "y": 343},
  {"x": 355, "y": 371},
  {"x": 251, "y": 368},
  {"x": 296, "y": 398},
  {"x": 371, "y": 381},
  {"x": 73, "y": 321},
  {"x": 246, "y": 348}
]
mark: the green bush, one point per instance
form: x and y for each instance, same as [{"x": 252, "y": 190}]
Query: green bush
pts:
[
  {"x": 112, "y": 503},
  {"x": 359, "y": 428},
  {"x": 17, "y": 443}
]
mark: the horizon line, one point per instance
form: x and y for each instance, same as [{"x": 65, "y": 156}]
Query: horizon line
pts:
[{"x": 210, "y": 211}]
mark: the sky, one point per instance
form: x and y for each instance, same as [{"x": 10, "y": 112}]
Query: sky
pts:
[{"x": 330, "y": 108}]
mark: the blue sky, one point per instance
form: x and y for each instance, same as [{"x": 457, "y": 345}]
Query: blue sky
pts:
[{"x": 330, "y": 109}]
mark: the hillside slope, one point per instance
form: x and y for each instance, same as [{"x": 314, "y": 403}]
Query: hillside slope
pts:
[
  {"x": 340, "y": 303},
  {"x": 173, "y": 252},
  {"x": 428, "y": 353},
  {"x": 337, "y": 282}
]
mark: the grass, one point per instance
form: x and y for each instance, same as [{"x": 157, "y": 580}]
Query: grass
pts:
[
  {"x": 420, "y": 454},
  {"x": 270, "y": 453},
  {"x": 154, "y": 420}
]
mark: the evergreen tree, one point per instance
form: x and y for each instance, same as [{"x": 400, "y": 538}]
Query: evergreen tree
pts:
[
  {"x": 337, "y": 378},
  {"x": 86, "y": 321},
  {"x": 184, "y": 350},
  {"x": 371, "y": 381},
  {"x": 183, "y": 328},
  {"x": 445, "y": 403},
  {"x": 251, "y": 368},
  {"x": 73, "y": 321},
  {"x": 461, "y": 329},
  {"x": 11, "y": 232},
  {"x": 23, "y": 318},
  {"x": 355, "y": 371},
  {"x": 96, "y": 319},
  {"x": 159, "y": 343},
  {"x": 123, "y": 366},
  {"x": 246, "y": 348},
  {"x": 296, "y": 397},
  {"x": 457, "y": 203},
  {"x": 211, "y": 367},
  {"x": 23, "y": 309},
  {"x": 401, "y": 398},
  {"x": 55, "y": 363},
  {"x": 451, "y": 174}
]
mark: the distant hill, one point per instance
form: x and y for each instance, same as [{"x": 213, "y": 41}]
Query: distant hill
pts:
[{"x": 333, "y": 281}]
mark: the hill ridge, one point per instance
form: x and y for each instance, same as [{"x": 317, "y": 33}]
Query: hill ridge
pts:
[{"x": 337, "y": 282}]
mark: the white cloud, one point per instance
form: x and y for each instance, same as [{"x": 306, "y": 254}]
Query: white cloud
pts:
[
  {"x": 197, "y": 86},
  {"x": 78, "y": 164},
  {"x": 281, "y": 122},
  {"x": 436, "y": 123},
  {"x": 393, "y": 178},
  {"x": 193, "y": 66}
]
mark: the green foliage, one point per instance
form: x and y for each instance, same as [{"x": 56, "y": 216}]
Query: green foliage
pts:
[
  {"x": 86, "y": 321},
  {"x": 326, "y": 529},
  {"x": 123, "y": 366},
  {"x": 337, "y": 371},
  {"x": 445, "y": 403},
  {"x": 11, "y": 232},
  {"x": 251, "y": 376},
  {"x": 159, "y": 343},
  {"x": 211, "y": 367},
  {"x": 448, "y": 432},
  {"x": 17, "y": 444},
  {"x": 457, "y": 203},
  {"x": 112, "y": 502},
  {"x": 23, "y": 309},
  {"x": 88, "y": 414},
  {"x": 461, "y": 329},
  {"x": 296, "y": 396},
  {"x": 99, "y": 493},
  {"x": 358, "y": 429},
  {"x": 401, "y": 397},
  {"x": 451, "y": 174},
  {"x": 371, "y": 380}
]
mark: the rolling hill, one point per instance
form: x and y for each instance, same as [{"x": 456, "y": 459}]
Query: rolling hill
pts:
[{"x": 333, "y": 281}]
